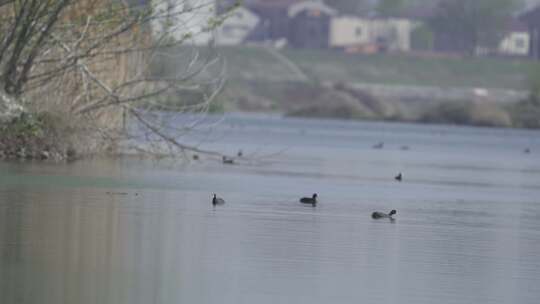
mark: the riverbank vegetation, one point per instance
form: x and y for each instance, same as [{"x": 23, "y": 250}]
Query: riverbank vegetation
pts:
[
  {"x": 260, "y": 83},
  {"x": 526, "y": 114},
  {"x": 467, "y": 113},
  {"x": 343, "y": 101},
  {"x": 450, "y": 71},
  {"x": 42, "y": 136},
  {"x": 74, "y": 76}
]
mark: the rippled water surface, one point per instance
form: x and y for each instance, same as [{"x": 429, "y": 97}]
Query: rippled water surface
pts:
[{"x": 132, "y": 231}]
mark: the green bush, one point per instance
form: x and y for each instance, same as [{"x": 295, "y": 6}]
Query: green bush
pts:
[
  {"x": 339, "y": 111},
  {"x": 448, "y": 113},
  {"x": 526, "y": 114},
  {"x": 534, "y": 87},
  {"x": 468, "y": 113},
  {"x": 38, "y": 136}
]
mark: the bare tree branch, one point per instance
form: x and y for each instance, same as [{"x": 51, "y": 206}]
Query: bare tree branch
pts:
[{"x": 96, "y": 63}]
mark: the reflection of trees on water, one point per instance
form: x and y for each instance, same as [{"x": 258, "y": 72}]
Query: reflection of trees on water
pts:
[
  {"x": 11, "y": 239},
  {"x": 69, "y": 246}
]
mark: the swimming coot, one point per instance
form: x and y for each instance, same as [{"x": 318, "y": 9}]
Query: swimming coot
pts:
[
  {"x": 379, "y": 215},
  {"x": 379, "y": 145},
  {"x": 227, "y": 160},
  {"x": 217, "y": 200},
  {"x": 309, "y": 200}
]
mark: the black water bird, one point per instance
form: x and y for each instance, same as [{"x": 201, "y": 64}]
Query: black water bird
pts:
[
  {"x": 399, "y": 177},
  {"x": 309, "y": 200},
  {"x": 379, "y": 215},
  {"x": 240, "y": 153},
  {"x": 527, "y": 151},
  {"x": 195, "y": 156},
  {"x": 405, "y": 148},
  {"x": 227, "y": 160},
  {"x": 379, "y": 145},
  {"x": 217, "y": 200}
]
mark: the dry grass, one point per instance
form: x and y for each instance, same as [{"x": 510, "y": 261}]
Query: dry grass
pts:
[
  {"x": 526, "y": 114},
  {"x": 468, "y": 113}
]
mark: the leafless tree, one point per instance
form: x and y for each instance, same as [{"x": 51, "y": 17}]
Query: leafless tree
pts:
[{"x": 93, "y": 62}]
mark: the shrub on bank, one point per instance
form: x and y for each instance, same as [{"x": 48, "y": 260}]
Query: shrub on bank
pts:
[
  {"x": 380, "y": 108},
  {"x": 341, "y": 111},
  {"x": 468, "y": 113},
  {"x": 526, "y": 114},
  {"x": 40, "y": 136},
  {"x": 490, "y": 115},
  {"x": 448, "y": 112}
]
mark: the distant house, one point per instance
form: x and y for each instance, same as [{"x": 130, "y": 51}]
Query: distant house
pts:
[
  {"x": 532, "y": 20},
  {"x": 302, "y": 23},
  {"x": 309, "y": 24},
  {"x": 393, "y": 33},
  {"x": 274, "y": 19},
  {"x": 350, "y": 33},
  {"x": 516, "y": 41},
  {"x": 186, "y": 20},
  {"x": 368, "y": 34},
  {"x": 237, "y": 27}
]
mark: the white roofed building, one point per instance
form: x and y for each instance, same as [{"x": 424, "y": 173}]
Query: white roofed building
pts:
[
  {"x": 188, "y": 20},
  {"x": 237, "y": 27},
  {"x": 391, "y": 34}
]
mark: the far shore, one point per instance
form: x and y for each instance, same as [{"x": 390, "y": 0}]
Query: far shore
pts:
[{"x": 346, "y": 101}]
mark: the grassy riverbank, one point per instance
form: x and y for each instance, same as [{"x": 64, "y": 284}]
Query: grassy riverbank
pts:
[
  {"x": 257, "y": 64},
  {"x": 322, "y": 84},
  {"x": 42, "y": 136},
  {"x": 393, "y": 87},
  {"x": 341, "y": 101}
]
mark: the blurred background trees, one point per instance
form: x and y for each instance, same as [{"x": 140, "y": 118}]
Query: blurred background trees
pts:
[{"x": 469, "y": 25}]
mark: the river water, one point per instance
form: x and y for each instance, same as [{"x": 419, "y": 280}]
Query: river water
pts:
[{"x": 139, "y": 231}]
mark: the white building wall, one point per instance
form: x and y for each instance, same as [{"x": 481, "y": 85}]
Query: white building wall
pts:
[
  {"x": 353, "y": 31},
  {"x": 403, "y": 28},
  {"x": 515, "y": 44},
  {"x": 236, "y": 27},
  {"x": 187, "y": 20},
  {"x": 349, "y": 31},
  {"x": 396, "y": 32}
]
